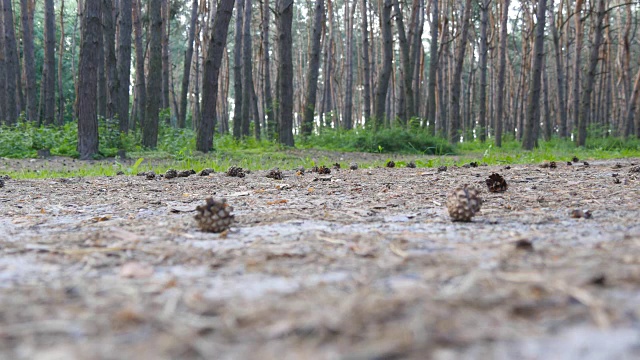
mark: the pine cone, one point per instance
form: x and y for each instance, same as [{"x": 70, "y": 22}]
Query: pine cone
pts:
[
  {"x": 336, "y": 166},
  {"x": 214, "y": 216},
  {"x": 442, "y": 168},
  {"x": 184, "y": 173},
  {"x": 463, "y": 203},
  {"x": 170, "y": 174},
  {"x": 275, "y": 174},
  {"x": 391, "y": 164},
  {"x": 150, "y": 175},
  {"x": 323, "y": 170},
  {"x": 1, "y": 183},
  {"x": 575, "y": 159},
  {"x": 353, "y": 166},
  {"x": 496, "y": 183},
  {"x": 206, "y": 172},
  {"x": 411, "y": 165},
  {"x": 235, "y": 172}
]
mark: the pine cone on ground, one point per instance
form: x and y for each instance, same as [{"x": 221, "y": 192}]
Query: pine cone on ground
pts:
[
  {"x": 336, "y": 166},
  {"x": 184, "y": 173},
  {"x": 353, "y": 166},
  {"x": 496, "y": 183},
  {"x": 442, "y": 168},
  {"x": 214, "y": 216},
  {"x": 150, "y": 175},
  {"x": 391, "y": 164},
  {"x": 411, "y": 165},
  {"x": 323, "y": 170},
  {"x": 275, "y": 174},
  {"x": 463, "y": 203},
  {"x": 575, "y": 159},
  {"x": 206, "y": 172},
  {"x": 235, "y": 171},
  {"x": 1, "y": 183},
  {"x": 170, "y": 174}
]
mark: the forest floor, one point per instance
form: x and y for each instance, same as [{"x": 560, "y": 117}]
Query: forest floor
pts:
[{"x": 361, "y": 264}]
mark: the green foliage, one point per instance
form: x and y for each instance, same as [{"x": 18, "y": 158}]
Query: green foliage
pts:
[{"x": 396, "y": 140}]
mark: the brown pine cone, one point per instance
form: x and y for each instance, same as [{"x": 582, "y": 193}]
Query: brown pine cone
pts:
[
  {"x": 496, "y": 183},
  {"x": 214, "y": 216},
  {"x": 463, "y": 203}
]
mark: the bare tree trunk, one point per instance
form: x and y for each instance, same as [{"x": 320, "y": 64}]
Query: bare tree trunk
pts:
[
  {"x": 154, "y": 76},
  {"x": 141, "y": 87},
  {"x": 237, "y": 72},
  {"x": 585, "y": 106},
  {"x": 405, "y": 56},
  {"x": 124, "y": 63},
  {"x": 166, "y": 65},
  {"x": 532, "y": 121},
  {"x": 285, "y": 71},
  {"x": 247, "y": 71},
  {"x": 110, "y": 62},
  {"x": 548, "y": 127},
  {"x": 49, "y": 83},
  {"x": 366, "y": 70},
  {"x": 347, "y": 120},
  {"x": 215, "y": 52},
  {"x": 186, "y": 72},
  {"x": 433, "y": 66},
  {"x": 562, "y": 104},
  {"x": 312, "y": 70},
  {"x": 271, "y": 119},
  {"x": 502, "y": 64},
  {"x": 454, "y": 107},
  {"x": 60, "y": 56},
  {"x": 577, "y": 68},
  {"x": 3, "y": 74},
  {"x": 26, "y": 16},
  {"x": 385, "y": 70},
  {"x": 88, "y": 82},
  {"x": 11, "y": 61},
  {"x": 482, "y": 116}
]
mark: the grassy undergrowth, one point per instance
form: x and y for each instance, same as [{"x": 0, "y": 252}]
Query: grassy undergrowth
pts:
[{"x": 176, "y": 150}]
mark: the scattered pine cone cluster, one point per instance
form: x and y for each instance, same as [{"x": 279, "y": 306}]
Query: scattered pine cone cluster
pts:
[
  {"x": 275, "y": 174},
  {"x": 496, "y": 183},
  {"x": 215, "y": 216},
  {"x": 463, "y": 203},
  {"x": 236, "y": 171}
]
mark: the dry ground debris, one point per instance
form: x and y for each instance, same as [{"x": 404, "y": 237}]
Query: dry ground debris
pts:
[{"x": 366, "y": 265}]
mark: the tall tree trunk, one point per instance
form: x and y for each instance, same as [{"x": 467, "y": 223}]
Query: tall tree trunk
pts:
[
  {"x": 154, "y": 76},
  {"x": 49, "y": 81},
  {"x": 215, "y": 51},
  {"x": 502, "y": 65},
  {"x": 347, "y": 118},
  {"x": 632, "y": 107},
  {"x": 312, "y": 70},
  {"x": 433, "y": 65},
  {"x": 285, "y": 71},
  {"x": 124, "y": 63},
  {"x": 110, "y": 62},
  {"x": 532, "y": 120},
  {"x": 454, "y": 107},
  {"x": 88, "y": 81},
  {"x": 548, "y": 123},
  {"x": 165, "y": 59},
  {"x": 247, "y": 73},
  {"x": 237, "y": 72},
  {"x": 366, "y": 69},
  {"x": 272, "y": 124},
  {"x": 61, "y": 107},
  {"x": 407, "y": 70},
  {"x": 11, "y": 61},
  {"x": 3, "y": 73},
  {"x": 385, "y": 70},
  {"x": 141, "y": 87},
  {"x": 577, "y": 66},
  {"x": 562, "y": 104},
  {"x": 585, "y": 102},
  {"x": 482, "y": 116},
  {"x": 26, "y": 16},
  {"x": 186, "y": 72}
]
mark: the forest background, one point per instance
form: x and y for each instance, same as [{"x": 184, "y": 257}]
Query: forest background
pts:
[{"x": 93, "y": 77}]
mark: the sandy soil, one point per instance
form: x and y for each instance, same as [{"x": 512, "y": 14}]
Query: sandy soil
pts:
[{"x": 363, "y": 264}]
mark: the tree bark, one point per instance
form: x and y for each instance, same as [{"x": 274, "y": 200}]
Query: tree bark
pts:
[
  {"x": 312, "y": 70},
  {"x": 215, "y": 51},
  {"x": 502, "y": 65},
  {"x": 124, "y": 63},
  {"x": 88, "y": 81},
  {"x": 247, "y": 73},
  {"x": 454, "y": 107},
  {"x": 532, "y": 120},
  {"x": 166, "y": 61},
  {"x": 110, "y": 62},
  {"x": 587, "y": 90},
  {"x": 49, "y": 83},
  {"x": 366, "y": 69},
  {"x": 272, "y": 124},
  {"x": 26, "y": 16},
  {"x": 3, "y": 73},
  {"x": 141, "y": 87},
  {"x": 433, "y": 66},
  {"x": 482, "y": 115},
  {"x": 154, "y": 76},
  {"x": 347, "y": 118},
  {"x": 407, "y": 71},
  {"x": 11, "y": 61},
  {"x": 385, "y": 70},
  {"x": 186, "y": 72},
  {"x": 285, "y": 71},
  {"x": 577, "y": 68},
  {"x": 237, "y": 72}
]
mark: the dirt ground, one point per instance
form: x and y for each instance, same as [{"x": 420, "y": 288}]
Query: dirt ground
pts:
[{"x": 362, "y": 264}]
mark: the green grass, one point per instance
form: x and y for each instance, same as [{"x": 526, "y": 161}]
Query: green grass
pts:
[{"x": 176, "y": 149}]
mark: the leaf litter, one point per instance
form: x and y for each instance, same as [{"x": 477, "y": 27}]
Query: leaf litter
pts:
[{"x": 93, "y": 266}]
